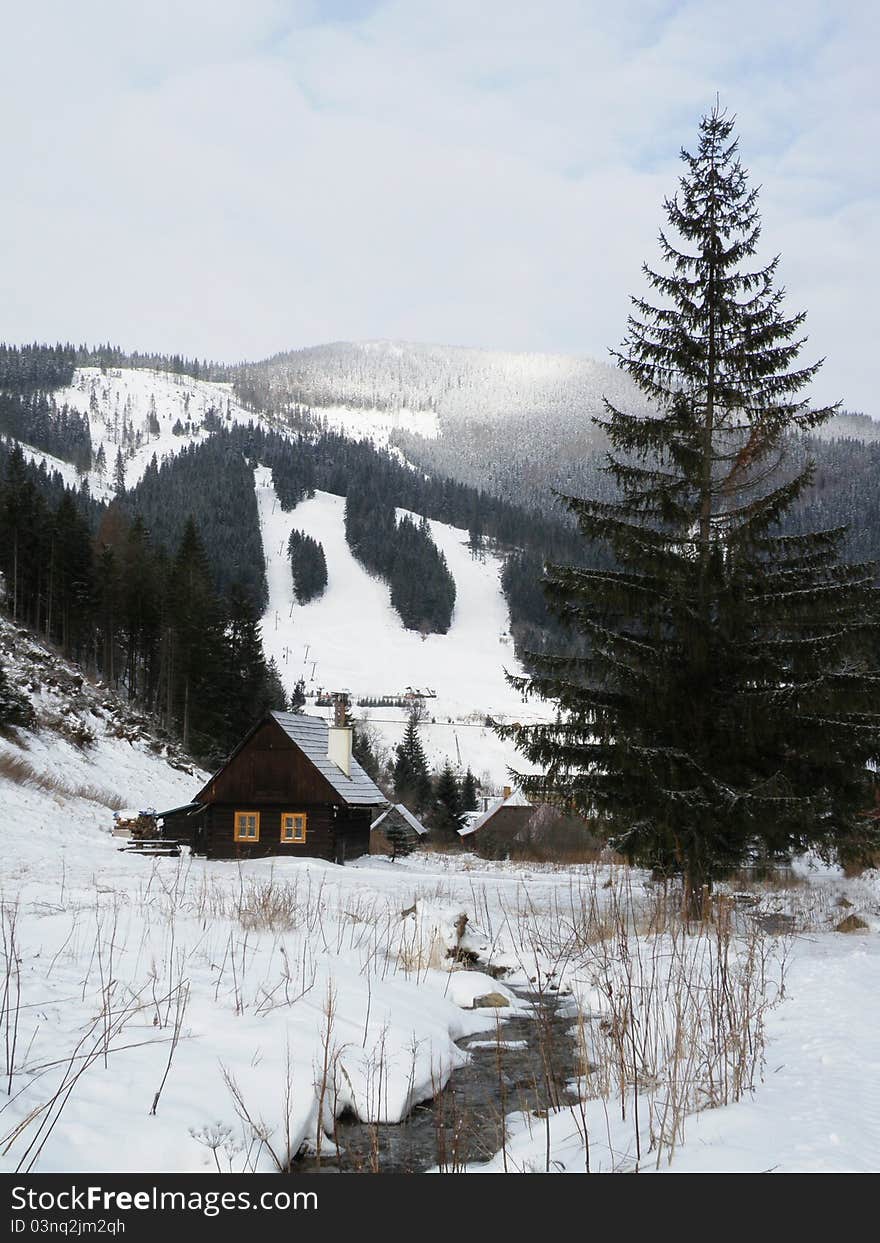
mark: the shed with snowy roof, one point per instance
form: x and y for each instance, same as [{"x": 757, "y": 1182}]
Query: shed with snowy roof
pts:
[
  {"x": 513, "y": 826},
  {"x": 290, "y": 787},
  {"x": 401, "y": 820},
  {"x": 494, "y": 831}
]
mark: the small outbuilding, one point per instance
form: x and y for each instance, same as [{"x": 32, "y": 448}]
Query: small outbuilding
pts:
[
  {"x": 512, "y": 826},
  {"x": 398, "y": 821},
  {"x": 493, "y": 832},
  {"x": 290, "y": 787}
]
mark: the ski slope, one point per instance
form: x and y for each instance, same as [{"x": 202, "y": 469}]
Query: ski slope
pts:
[{"x": 351, "y": 638}]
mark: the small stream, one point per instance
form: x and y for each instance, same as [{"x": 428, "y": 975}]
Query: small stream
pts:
[{"x": 524, "y": 1064}]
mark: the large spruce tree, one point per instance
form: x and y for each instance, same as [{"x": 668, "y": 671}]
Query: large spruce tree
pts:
[
  {"x": 412, "y": 783},
  {"x": 727, "y": 706}
]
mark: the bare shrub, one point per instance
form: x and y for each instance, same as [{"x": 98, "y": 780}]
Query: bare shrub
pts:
[
  {"x": 551, "y": 836},
  {"x": 684, "y": 1008},
  {"x": 70, "y": 727}
]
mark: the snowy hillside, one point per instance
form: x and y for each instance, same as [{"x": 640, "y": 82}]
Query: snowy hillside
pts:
[
  {"x": 516, "y": 425},
  {"x": 119, "y": 404},
  {"x": 451, "y": 382},
  {"x": 351, "y": 637}
]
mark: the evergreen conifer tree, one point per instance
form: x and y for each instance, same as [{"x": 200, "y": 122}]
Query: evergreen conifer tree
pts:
[
  {"x": 15, "y": 708},
  {"x": 448, "y": 815},
  {"x": 308, "y": 566},
  {"x": 398, "y": 839},
  {"x": 727, "y": 705},
  {"x": 469, "y": 792},
  {"x": 194, "y": 648},
  {"x": 119, "y": 474},
  {"x": 412, "y": 784},
  {"x": 253, "y": 687}
]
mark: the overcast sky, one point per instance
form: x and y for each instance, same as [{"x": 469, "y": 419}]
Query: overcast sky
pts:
[{"x": 236, "y": 177}]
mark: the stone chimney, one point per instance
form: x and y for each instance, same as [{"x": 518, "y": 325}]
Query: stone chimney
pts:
[
  {"x": 339, "y": 737},
  {"x": 507, "y": 792}
]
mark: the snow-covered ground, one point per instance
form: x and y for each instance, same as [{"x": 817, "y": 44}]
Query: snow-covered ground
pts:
[
  {"x": 378, "y": 426},
  {"x": 118, "y": 397},
  {"x": 351, "y": 638}
]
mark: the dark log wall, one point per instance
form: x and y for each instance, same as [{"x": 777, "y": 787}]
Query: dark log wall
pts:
[
  {"x": 270, "y": 775},
  {"x": 183, "y": 829},
  {"x": 220, "y": 840},
  {"x": 353, "y": 832},
  {"x": 269, "y": 769},
  {"x": 336, "y": 837}
]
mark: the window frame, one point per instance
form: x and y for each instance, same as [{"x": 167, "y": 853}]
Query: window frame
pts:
[
  {"x": 237, "y": 835},
  {"x": 302, "y": 816}
]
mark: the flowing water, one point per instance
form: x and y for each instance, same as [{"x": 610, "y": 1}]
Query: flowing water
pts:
[{"x": 524, "y": 1064}]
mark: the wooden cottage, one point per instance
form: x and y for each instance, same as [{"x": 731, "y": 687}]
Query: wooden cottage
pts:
[{"x": 290, "y": 787}]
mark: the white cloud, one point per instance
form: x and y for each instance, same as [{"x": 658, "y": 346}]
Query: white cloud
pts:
[{"x": 233, "y": 180}]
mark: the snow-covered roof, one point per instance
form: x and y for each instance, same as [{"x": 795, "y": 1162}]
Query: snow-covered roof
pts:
[
  {"x": 516, "y": 799},
  {"x": 190, "y": 809},
  {"x": 311, "y": 733},
  {"x": 407, "y": 815}
]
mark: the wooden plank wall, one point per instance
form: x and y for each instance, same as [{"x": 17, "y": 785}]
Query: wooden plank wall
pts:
[
  {"x": 269, "y": 769},
  {"x": 220, "y": 840}
]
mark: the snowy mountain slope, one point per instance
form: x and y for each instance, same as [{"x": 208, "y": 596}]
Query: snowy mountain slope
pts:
[
  {"x": 119, "y": 402},
  {"x": 453, "y": 382},
  {"x": 516, "y": 425},
  {"x": 352, "y": 638},
  {"x": 378, "y": 426},
  {"x": 456, "y": 384}
]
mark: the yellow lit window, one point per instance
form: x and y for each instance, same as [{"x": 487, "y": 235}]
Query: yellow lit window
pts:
[
  {"x": 293, "y": 826},
  {"x": 247, "y": 826}
]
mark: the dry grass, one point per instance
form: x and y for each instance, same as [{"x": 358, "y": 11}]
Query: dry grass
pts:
[
  {"x": 682, "y": 1020},
  {"x": 869, "y": 863},
  {"x": 20, "y": 771},
  {"x": 562, "y": 856}
]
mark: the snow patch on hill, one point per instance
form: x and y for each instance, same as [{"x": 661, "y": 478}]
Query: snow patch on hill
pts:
[
  {"x": 378, "y": 426},
  {"x": 119, "y": 402},
  {"x": 118, "y": 397}
]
